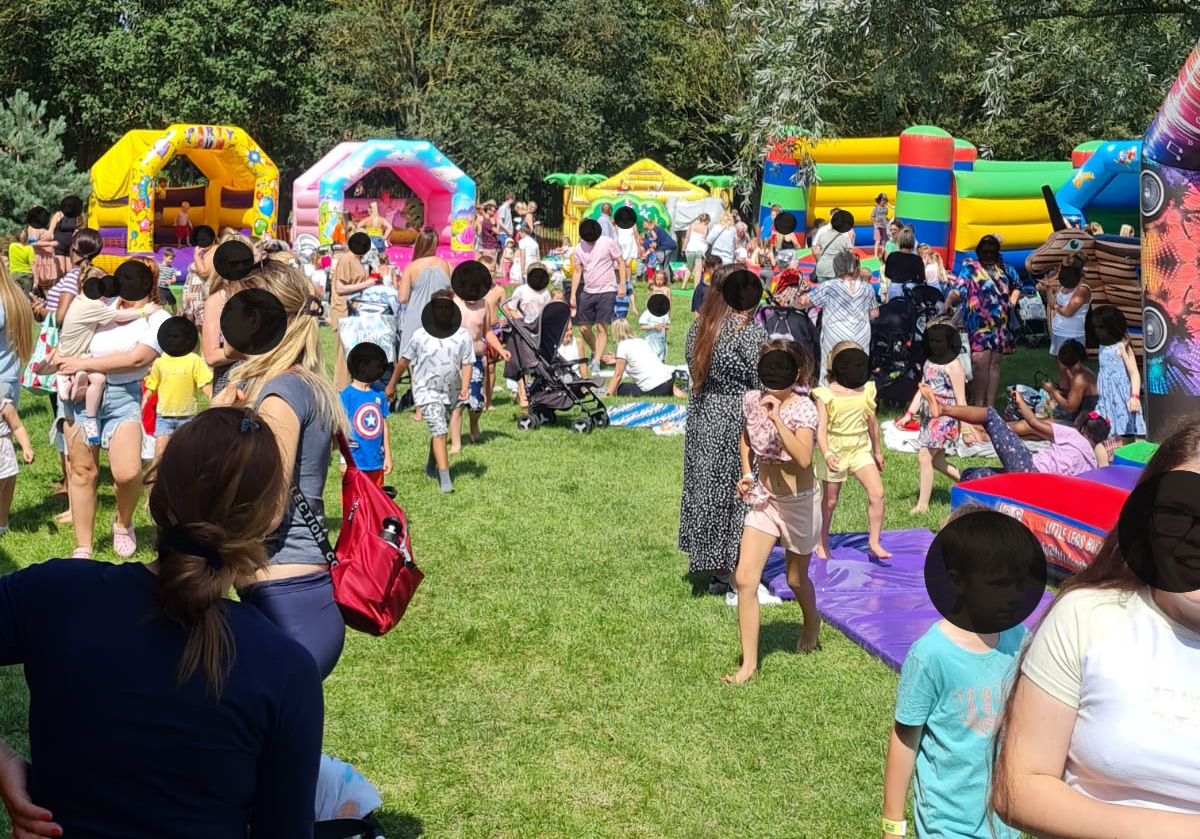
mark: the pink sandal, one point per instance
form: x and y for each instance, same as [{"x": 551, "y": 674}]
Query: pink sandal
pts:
[
  {"x": 124, "y": 541},
  {"x": 81, "y": 552}
]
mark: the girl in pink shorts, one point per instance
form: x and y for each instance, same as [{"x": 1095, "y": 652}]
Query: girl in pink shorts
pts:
[{"x": 782, "y": 501}]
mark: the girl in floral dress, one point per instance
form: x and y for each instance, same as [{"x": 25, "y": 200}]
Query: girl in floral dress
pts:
[
  {"x": 949, "y": 385},
  {"x": 989, "y": 288}
]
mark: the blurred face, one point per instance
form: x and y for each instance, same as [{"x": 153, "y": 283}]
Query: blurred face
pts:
[
  {"x": 939, "y": 343},
  {"x": 988, "y": 253},
  {"x": 443, "y": 312},
  {"x": 990, "y": 599},
  {"x": 1173, "y": 533}
]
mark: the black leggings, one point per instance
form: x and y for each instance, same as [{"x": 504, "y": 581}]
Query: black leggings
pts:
[{"x": 667, "y": 388}]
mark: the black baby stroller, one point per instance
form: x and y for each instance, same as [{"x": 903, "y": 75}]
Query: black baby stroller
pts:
[
  {"x": 552, "y": 384},
  {"x": 894, "y": 365},
  {"x": 795, "y": 324},
  {"x": 929, "y": 304},
  {"x": 1031, "y": 327},
  {"x": 365, "y": 828}
]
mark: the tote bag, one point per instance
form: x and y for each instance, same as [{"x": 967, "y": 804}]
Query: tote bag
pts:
[{"x": 47, "y": 341}]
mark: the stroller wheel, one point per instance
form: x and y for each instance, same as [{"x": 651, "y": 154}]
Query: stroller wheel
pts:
[
  {"x": 600, "y": 420},
  {"x": 583, "y": 425},
  {"x": 527, "y": 422}
]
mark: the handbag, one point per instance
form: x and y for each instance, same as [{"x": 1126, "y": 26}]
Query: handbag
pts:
[
  {"x": 373, "y": 579},
  {"x": 708, "y": 251},
  {"x": 47, "y": 341}
]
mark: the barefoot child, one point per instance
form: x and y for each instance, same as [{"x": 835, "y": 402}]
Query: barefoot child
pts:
[
  {"x": 780, "y": 426},
  {"x": 1120, "y": 381},
  {"x": 10, "y": 426},
  {"x": 954, "y": 682},
  {"x": 948, "y": 383},
  {"x": 183, "y": 225},
  {"x": 441, "y": 379},
  {"x": 848, "y": 438},
  {"x": 477, "y": 320},
  {"x": 75, "y": 341},
  {"x": 494, "y": 298}
]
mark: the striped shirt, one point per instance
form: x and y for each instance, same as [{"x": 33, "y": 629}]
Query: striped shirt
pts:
[{"x": 67, "y": 284}]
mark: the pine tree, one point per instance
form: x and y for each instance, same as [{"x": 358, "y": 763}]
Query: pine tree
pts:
[{"x": 33, "y": 170}]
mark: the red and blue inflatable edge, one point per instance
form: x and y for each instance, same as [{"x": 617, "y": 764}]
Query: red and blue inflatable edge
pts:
[{"x": 1069, "y": 516}]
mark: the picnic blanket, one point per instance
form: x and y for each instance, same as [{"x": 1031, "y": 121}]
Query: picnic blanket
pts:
[
  {"x": 899, "y": 440},
  {"x": 646, "y": 414}
]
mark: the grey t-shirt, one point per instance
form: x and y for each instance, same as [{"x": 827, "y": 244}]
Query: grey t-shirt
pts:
[
  {"x": 831, "y": 244},
  {"x": 292, "y": 542}
]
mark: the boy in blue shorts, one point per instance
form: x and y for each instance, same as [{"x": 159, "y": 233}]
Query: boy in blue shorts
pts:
[
  {"x": 366, "y": 408},
  {"x": 955, "y": 679}
]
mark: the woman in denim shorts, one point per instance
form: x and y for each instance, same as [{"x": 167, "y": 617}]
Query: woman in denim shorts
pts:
[{"x": 124, "y": 352}]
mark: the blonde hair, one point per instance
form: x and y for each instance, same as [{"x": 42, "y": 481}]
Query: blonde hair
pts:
[
  {"x": 374, "y": 207},
  {"x": 299, "y": 352},
  {"x": 18, "y": 316},
  {"x": 215, "y": 282},
  {"x": 833, "y": 353},
  {"x": 726, "y": 219},
  {"x": 941, "y": 266},
  {"x": 621, "y": 330}
]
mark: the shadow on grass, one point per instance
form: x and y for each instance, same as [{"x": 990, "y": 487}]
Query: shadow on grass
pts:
[
  {"x": 400, "y": 825},
  {"x": 699, "y": 581}
]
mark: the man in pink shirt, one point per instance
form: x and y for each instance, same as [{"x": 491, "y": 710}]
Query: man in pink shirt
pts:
[{"x": 603, "y": 273}]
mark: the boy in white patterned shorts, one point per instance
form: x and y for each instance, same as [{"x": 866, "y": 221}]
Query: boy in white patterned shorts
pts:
[{"x": 441, "y": 375}]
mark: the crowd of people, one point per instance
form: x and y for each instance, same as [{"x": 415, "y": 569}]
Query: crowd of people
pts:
[{"x": 763, "y": 465}]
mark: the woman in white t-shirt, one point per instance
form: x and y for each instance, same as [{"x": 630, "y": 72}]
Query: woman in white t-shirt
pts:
[
  {"x": 651, "y": 377},
  {"x": 723, "y": 239},
  {"x": 527, "y": 254},
  {"x": 124, "y": 352},
  {"x": 1101, "y": 735}
]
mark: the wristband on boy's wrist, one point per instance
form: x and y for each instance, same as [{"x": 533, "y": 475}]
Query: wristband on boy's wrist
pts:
[
  {"x": 899, "y": 828},
  {"x": 747, "y": 476}
]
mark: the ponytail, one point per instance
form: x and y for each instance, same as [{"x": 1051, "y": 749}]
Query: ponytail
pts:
[
  {"x": 194, "y": 577},
  {"x": 214, "y": 517}
]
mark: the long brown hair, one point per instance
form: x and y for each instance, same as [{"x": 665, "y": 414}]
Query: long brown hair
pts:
[
  {"x": 426, "y": 244},
  {"x": 709, "y": 321},
  {"x": 214, "y": 515},
  {"x": 1108, "y": 571}
]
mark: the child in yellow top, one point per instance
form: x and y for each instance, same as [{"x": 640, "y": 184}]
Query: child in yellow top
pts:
[
  {"x": 848, "y": 437},
  {"x": 176, "y": 380}
]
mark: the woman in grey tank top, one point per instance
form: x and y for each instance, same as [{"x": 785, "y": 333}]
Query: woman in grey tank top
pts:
[{"x": 427, "y": 273}]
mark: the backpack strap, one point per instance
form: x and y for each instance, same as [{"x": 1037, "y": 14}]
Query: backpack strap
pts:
[{"x": 318, "y": 531}]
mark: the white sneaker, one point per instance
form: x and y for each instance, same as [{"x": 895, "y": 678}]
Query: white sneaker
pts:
[{"x": 765, "y": 598}]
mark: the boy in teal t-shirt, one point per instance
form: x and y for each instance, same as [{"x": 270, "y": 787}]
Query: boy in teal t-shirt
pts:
[{"x": 954, "y": 684}]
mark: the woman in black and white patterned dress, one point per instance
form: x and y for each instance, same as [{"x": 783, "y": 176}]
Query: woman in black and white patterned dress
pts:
[{"x": 722, "y": 355}]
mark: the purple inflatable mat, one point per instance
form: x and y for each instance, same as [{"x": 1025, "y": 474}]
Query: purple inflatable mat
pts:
[{"x": 881, "y": 605}]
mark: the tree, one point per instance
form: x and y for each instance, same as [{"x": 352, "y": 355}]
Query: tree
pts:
[
  {"x": 33, "y": 170},
  {"x": 1028, "y": 78}
]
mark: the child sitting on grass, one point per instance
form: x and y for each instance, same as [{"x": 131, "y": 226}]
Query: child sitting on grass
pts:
[
  {"x": 440, "y": 366},
  {"x": 780, "y": 427},
  {"x": 955, "y": 679}
]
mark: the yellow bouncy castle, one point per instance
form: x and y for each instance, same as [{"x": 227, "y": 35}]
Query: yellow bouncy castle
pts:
[
  {"x": 136, "y": 215},
  {"x": 643, "y": 183}
]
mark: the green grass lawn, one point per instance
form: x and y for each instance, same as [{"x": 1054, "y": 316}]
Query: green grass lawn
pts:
[{"x": 557, "y": 674}]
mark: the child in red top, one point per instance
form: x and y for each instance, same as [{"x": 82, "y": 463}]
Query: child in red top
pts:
[{"x": 780, "y": 429}]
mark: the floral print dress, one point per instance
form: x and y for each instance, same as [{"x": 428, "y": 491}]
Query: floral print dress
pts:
[
  {"x": 941, "y": 432},
  {"x": 984, "y": 291}
]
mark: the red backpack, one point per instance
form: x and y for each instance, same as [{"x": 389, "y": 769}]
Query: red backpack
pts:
[{"x": 373, "y": 578}]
